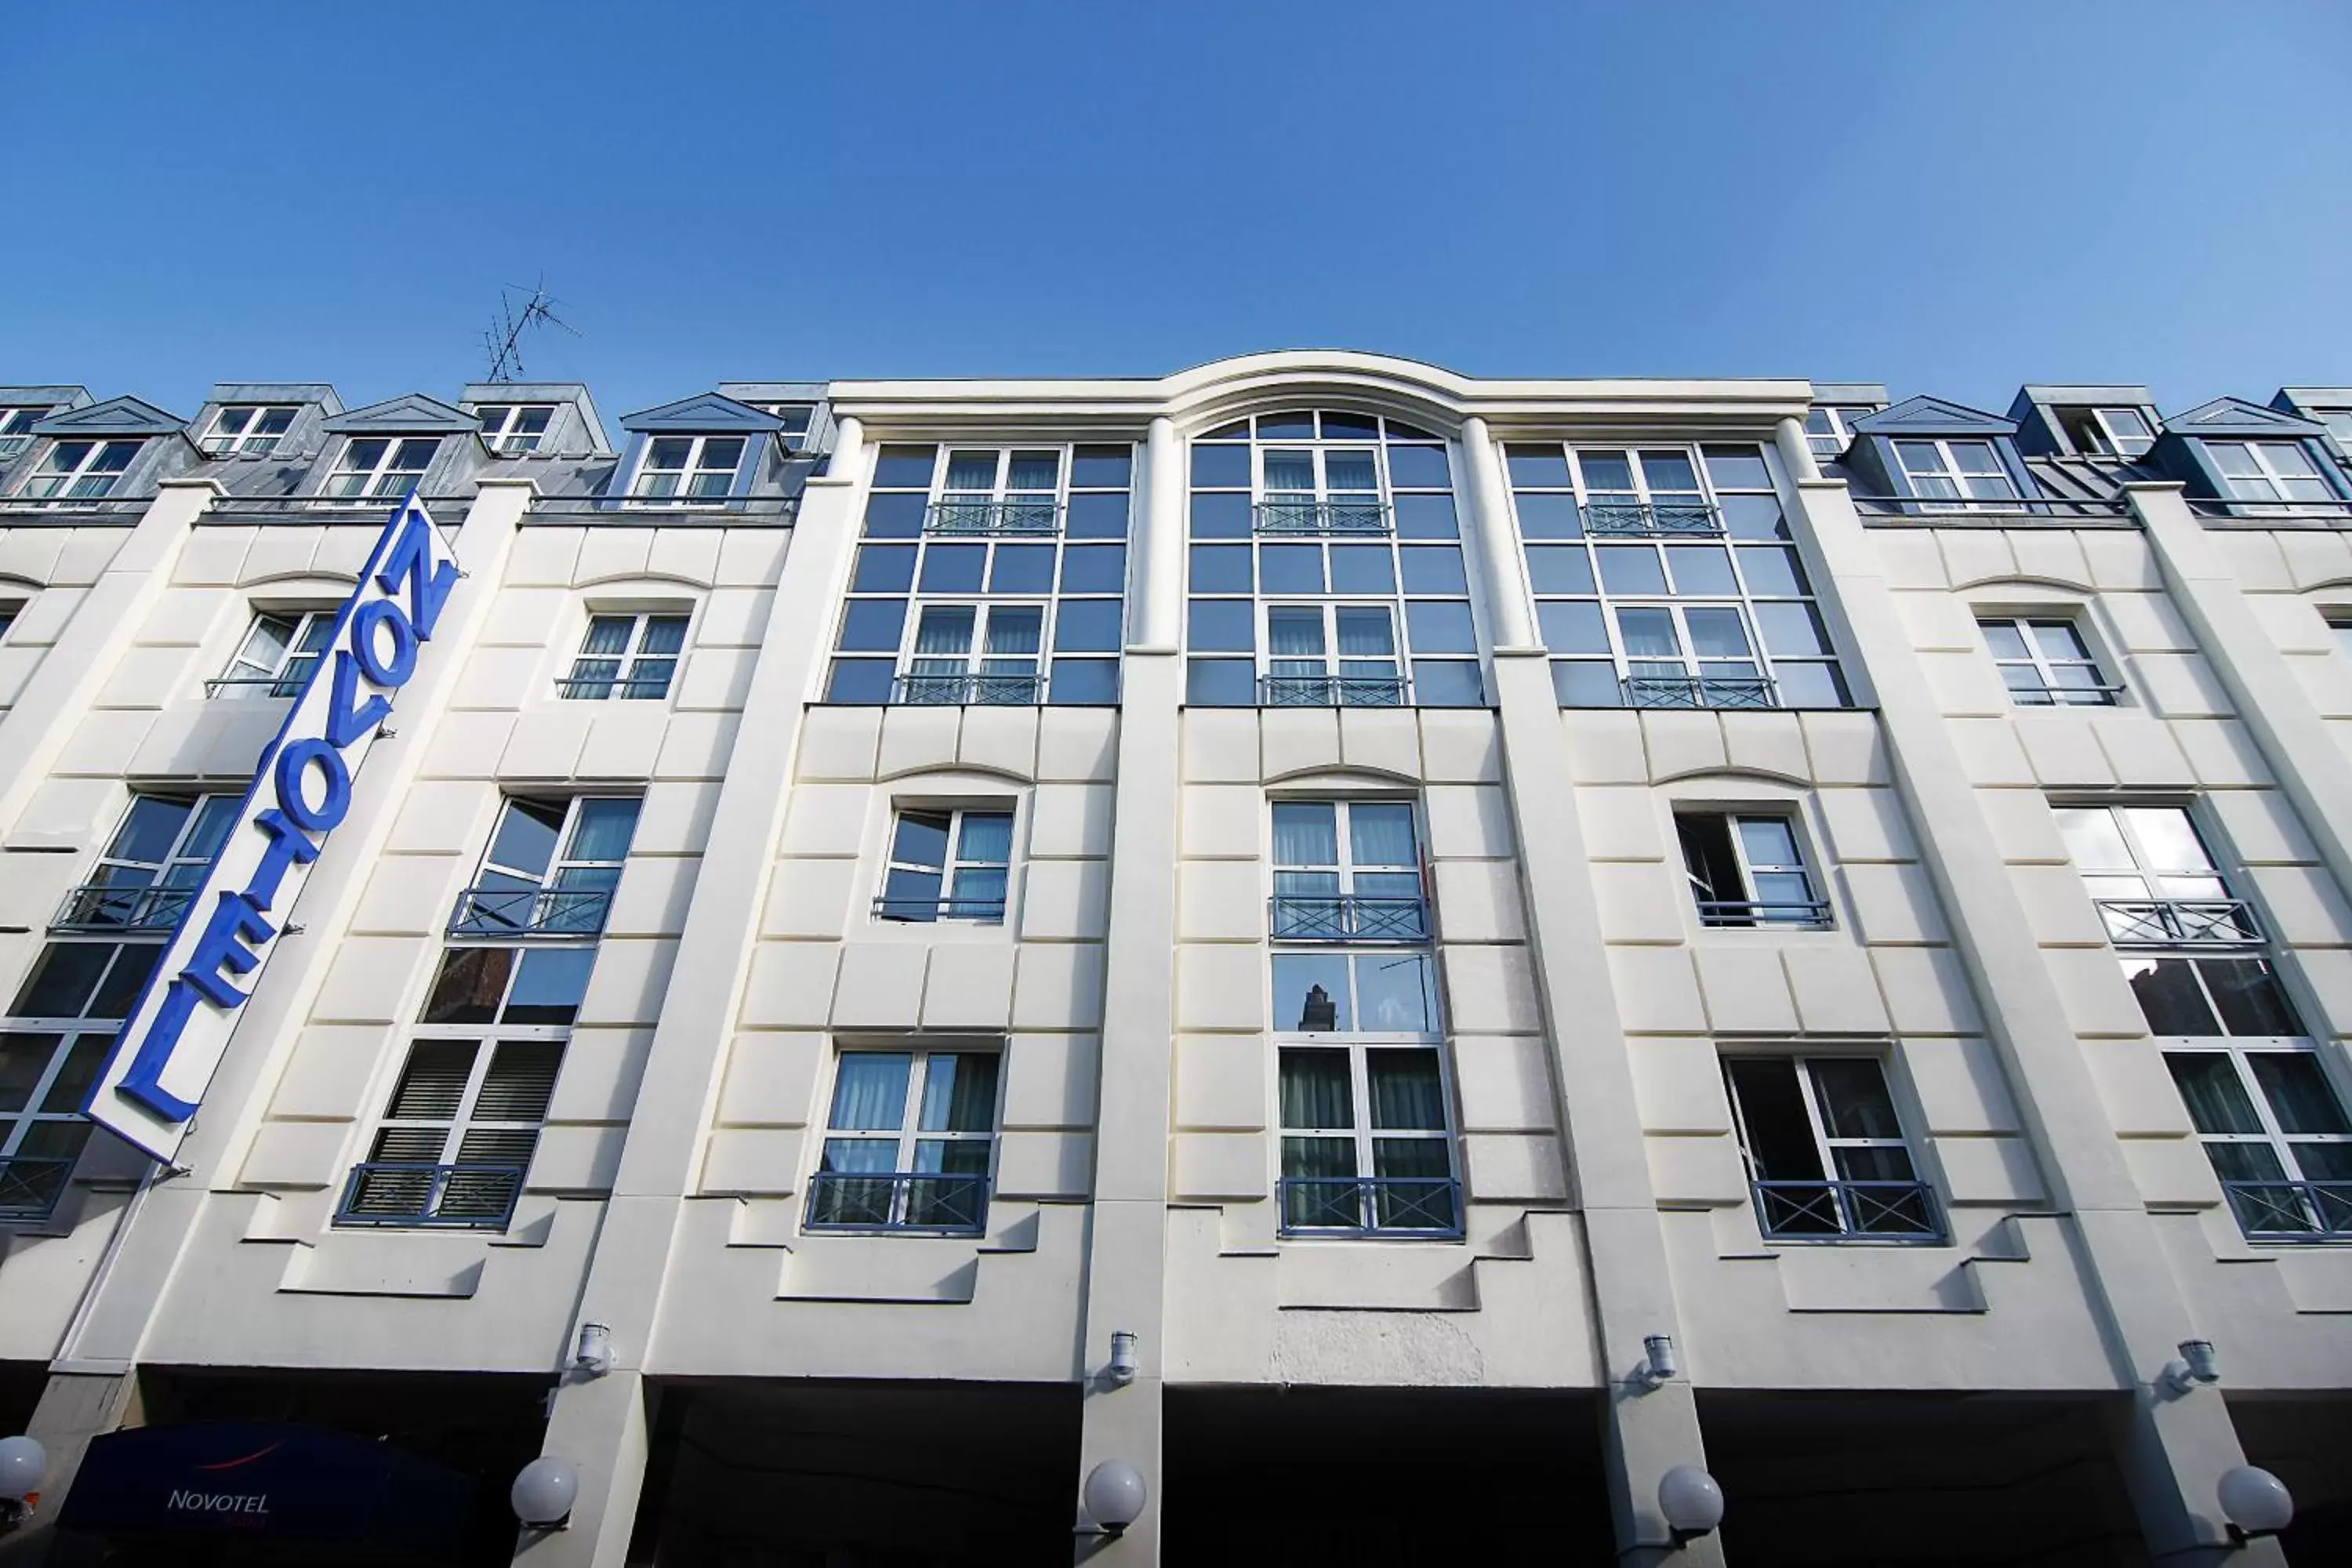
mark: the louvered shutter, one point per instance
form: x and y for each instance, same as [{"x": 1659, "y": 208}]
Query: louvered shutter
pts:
[{"x": 492, "y": 1157}]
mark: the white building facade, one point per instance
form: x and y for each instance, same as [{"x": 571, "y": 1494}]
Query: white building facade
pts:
[{"x": 1400, "y": 955}]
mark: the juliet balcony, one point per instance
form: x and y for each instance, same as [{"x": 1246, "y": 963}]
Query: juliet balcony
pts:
[
  {"x": 981, "y": 518},
  {"x": 1320, "y": 518}
]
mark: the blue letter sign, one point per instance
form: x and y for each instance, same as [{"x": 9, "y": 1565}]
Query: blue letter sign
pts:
[{"x": 301, "y": 790}]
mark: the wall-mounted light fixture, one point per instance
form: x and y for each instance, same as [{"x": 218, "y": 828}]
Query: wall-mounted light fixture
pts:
[
  {"x": 2255, "y": 1502},
  {"x": 1691, "y": 1501},
  {"x": 2195, "y": 1363},
  {"x": 594, "y": 1353},
  {"x": 24, "y": 1463},
  {"x": 1658, "y": 1366},
  {"x": 1113, "y": 1497},
  {"x": 1123, "y": 1363},
  {"x": 544, "y": 1491}
]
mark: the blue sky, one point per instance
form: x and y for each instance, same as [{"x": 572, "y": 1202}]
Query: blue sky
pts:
[{"x": 1954, "y": 198}]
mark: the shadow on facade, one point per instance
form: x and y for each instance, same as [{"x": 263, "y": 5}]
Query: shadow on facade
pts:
[
  {"x": 859, "y": 1475},
  {"x": 1921, "y": 1479},
  {"x": 1384, "y": 1477},
  {"x": 2306, "y": 1442}
]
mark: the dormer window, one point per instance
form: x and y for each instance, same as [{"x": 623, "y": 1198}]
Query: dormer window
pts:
[
  {"x": 1955, "y": 470},
  {"x": 511, "y": 429},
  {"x": 1829, "y": 428},
  {"x": 16, "y": 430},
  {"x": 380, "y": 466},
  {"x": 81, "y": 471},
  {"x": 2106, "y": 431},
  {"x": 2268, "y": 471},
  {"x": 797, "y": 418},
  {"x": 688, "y": 468},
  {"x": 2337, "y": 420},
  {"x": 248, "y": 428}
]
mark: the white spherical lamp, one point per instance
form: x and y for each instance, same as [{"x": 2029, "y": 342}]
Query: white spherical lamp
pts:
[
  {"x": 544, "y": 1491},
  {"x": 1114, "y": 1495},
  {"x": 1691, "y": 1501},
  {"x": 22, "y": 1463},
  {"x": 2253, "y": 1499}
]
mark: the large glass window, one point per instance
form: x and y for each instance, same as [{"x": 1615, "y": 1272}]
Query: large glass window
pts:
[
  {"x": 1955, "y": 470},
  {"x": 1325, "y": 567},
  {"x": 988, "y": 576},
  {"x": 81, "y": 471},
  {"x": 682, "y": 469},
  {"x": 1826, "y": 1156},
  {"x": 1746, "y": 868},
  {"x": 159, "y": 853},
  {"x": 277, "y": 656},
  {"x": 456, "y": 1141},
  {"x": 2106, "y": 431},
  {"x": 1829, "y": 428},
  {"x": 909, "y": 1142},
  {"x": 551, "y": 868},
  {"x": 16, "y": 430},
  {"x": 1665, "y": 580},
  {"x": 947, "y": 866},
  {"x": 1347, "y": 871},
  {"x": 626, "y": 656},
  {"x": 53, "y": 1041},
  {"x": 2155, "y": 881},
  {"x": 511, "y": 429},
  {"x": 2045, "y": 662},
  {"x": 2276, "y": 1133},
  {"x": 2269, "y": 472},
  {"x": 376, "y": 466},
  {"x": 1367, "y": 1145},
  {"x": 250, "y": 428}
]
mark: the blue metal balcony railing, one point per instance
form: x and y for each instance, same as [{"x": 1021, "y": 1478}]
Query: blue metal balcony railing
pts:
[
  {"x": 1040, "y": 518},
  {"x": 30, "y": 1187},
  {"x": 508, "y": 912},
  {"x": 1703, "y": 691},
  {"x": 1651, "y": 519},
  {"x": 1315, "y": 917},
  {"x": 1419, "y": 1206},
  {"x": 613, "y": 687},
  {"x": 1319, "y": 518},
  {"x": 1811, "y": 914},
  {"x": 1333, "y": 692},
  {"x": 98, "y": 907},
  {"x": 915, "y": 1201},
  {"x": 967, "y": 690},
  {"x": 2292, "y": 1211},
  {"x": 2064, "y": 696},
  {"x": 987, "y": 912},
  {"x": 2180, "y": 923},
  {"x": 287, "y": 684},
  {"x": 410, "y": 1193},
  {"x": 1848, "y": 1211}
]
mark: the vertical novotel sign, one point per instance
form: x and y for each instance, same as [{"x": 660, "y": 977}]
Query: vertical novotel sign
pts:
[{"x": 301, "y": 790}]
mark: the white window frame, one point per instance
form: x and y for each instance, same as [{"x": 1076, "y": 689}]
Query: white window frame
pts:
[
  {"x": 1965, "y": 487},
  {"x": 9, "y": 610},
  {"x": 1824, "y": 917},
  {"x": 627, "y": 681},
  {"x": 554, "y": 881},
  {"x": 975, "y": 655},
  {"x": 799, "y": 418},
  {"x": 1694, "y": 667},
  {"x": 16, "y": 422},
  {"x": 2045, "y": 665},
  {"x": 99, "y": 1031},
  {"x": 85, "y": 479},
  {"x": 386, "y": 478},
  {"x": 505, "y": 434},
  {"x": 1334, "y": 664},
  {"x": 1363, "y": 1135},
  {"x": 1827, "y": 1145},
  {"x": 2151, "y": 886},
  {"x": 237, "y": 427},
  {"x": 2339, "y": 627},
  {"x": 910, "y": 1132},
  {"x": 181, "y": 866},
  {"x": 953, "y": 863},
  {"x": 2276, "y": 481},
  {"x": 1839, "y": 417},
  {"x": 249, "y": 677},
  {"x": 486, "y": 1039},
  {"x": 1344, "y": 871},
  {"x": 697, "y": 469}
]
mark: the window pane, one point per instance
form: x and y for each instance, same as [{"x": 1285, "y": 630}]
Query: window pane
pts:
[
  {"x": 904, "y": 468},
  {"x": 1669, "y": 471},
  {"x": 866, "y": 680},
  {"x": 1539, "y": 466},
  {"x": 1439, "y": 625},
  {"x": 2248, "y": 996},
  {"x": 1316, "y": 1092},
  {"x": 23, "y": 1058},
  {"x": 1087, "y": 625},
  {"x": 1432, "y": 569},
  {"x": 1771, "y": 570},
  {"x": 548, "y": 988},
  {"x": 921, "y": 838},
  {"x": 2297, "y": 1088},
  {"x": 2166, "y": 837},
  {"x": 869, "y": 1093},
  {"x": 1649, "y": 634},
  {"x": 1290, "y": 568},
  {"x": 2058, "y": 639},
  {"x": 1362, "y": 569},
  {"x": 873, "y": 626},
  {"x": 1549, "y": 516},
  {"x": 1021, "y": 569},
  {"x": 1753, "y": 517},
  {"x": 1605, "y": 470},
  {"x": 1742, "y": 468},
  {"x": 148, "y": 828},
  {"x": 959, "y": 1093},
  {"x": 1221, "y": 569},
  {"x": 1380, "y": 834},
  {"x": 953, "y": 568},
  {"x": 2169, "y": 997},
  {"x": 1084, "y": 681},
  {"x": 1631, "y": 569},
  {"x": 1427, "y": 517},
  {"x": 1406, "y": 1091},
  {"x": 1224, "y": 626},
  {"x": 884, "y": 569},
  {"x": 526, "y": 838},
  {"x": 602, "y": 829},
  {"x": 1718, "y": 633},
  {"x": 1104, "y": 468},
  {"x": 1447, "y": 683},
  {"x": 1775, "y": 1130},
  {"x": 1221, "y": 466},
  {"x": 1310, "y": 992},
  {"x": 1560, "y": 569},
  {"x": 1791, "y": 629},
  {"x": 1220, "y": 683},
  {"x": 986, "y": 838},
  {"x": 1306, "y": 833},
  {"x": 1585, "y": 684},
  {"x": 1572, "y": 626},
  {"x": 1853, "y": 1099},
  {"x": 1097, "y": 516},
  {"x": 1768, "y": 841},
  {"x": 1701, "y": 568},
  {"x": 2092, "y": 839},
  {"x": 1394, "y": 994},
  {"x": 1418, "y": 467},
  {"x": 894, "y": 515},
  {"x": 2215, "y": 1096},
  {"x": 470, "y": 985},
  {"x": 1220, "y": 516}
]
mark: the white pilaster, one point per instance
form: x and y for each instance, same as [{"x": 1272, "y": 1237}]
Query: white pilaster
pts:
[
  {"x": 1511, "y": 620},
  {"x": 1159, "y": 576}
]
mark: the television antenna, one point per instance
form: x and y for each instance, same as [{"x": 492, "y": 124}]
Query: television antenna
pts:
[{"x": 502, "y": 340}]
